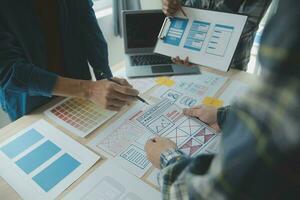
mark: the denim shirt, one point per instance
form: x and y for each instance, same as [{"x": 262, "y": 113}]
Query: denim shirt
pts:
[{"x": 25, "y": 82}]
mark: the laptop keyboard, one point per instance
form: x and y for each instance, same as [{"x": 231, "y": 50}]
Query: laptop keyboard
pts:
[{"x": 141, "y": 60}]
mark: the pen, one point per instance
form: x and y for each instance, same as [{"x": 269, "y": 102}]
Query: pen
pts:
[
  {"x": 183, "y": 12},
  {"x": 103, "y": 75},
  {"x": 138, "y": 97}
]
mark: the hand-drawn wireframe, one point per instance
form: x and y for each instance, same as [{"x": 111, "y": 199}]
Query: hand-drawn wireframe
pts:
[
  {"x": 136, "y": 156},
  {"x": 119, "y": 139},
  {"x": 184, "y": 131},
  {"x": 160, "y": 118},
  {"x": 160, "y": 125},
  {"x": 172, "y": 95},
  {"x": 191, "y": 147}
]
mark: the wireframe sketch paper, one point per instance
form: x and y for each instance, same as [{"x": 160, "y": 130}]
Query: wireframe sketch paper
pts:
[
  {"x": 110, "y": 182},
  {"x": 40, "y": 162},
  {"x": 208, "y": 38},
  {"x": 118, "y": 142},
  {"x": 124, "y": 140},
  {"x": 189, "y": 91}
]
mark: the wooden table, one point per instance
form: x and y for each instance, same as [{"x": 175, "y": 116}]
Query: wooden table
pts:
[{"x": 7, "y": 193}]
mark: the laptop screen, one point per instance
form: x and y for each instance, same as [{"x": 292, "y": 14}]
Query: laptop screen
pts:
[{"x": 142, "y": 29}]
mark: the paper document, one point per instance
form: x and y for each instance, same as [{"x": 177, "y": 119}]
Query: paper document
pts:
[
  {"x": 110, "y": 182},
  {"x": 141, "y": 84},
  {"x": 79, "y": 116},
  {"x": 41, "y": 162},
  {"x": 191, "y": 136},
  {"x": 189, "y": 91},
  {"x": 118, "y": 141},
  {"x": 208, "y": 38},
  {"x": 233, "y": 92}
]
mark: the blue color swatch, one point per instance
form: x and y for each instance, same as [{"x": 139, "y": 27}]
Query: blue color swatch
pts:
[
  {"x": 56, "y": 172},
  {"x": 38, "y": 156},
  {"x": 20, "y": 144},
  {"x": 176, "y": 31}
]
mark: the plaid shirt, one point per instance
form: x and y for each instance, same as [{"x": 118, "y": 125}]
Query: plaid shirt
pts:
[
  {"x": 260, "y": 148},
  {"x": 254, "y": 9}
]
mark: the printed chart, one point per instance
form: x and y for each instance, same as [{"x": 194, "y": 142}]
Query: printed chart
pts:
[
  {"x": 110, "y": 182},
  {"x": 197, "y": 35},
  {"x": 79, "y": 116},
  {"x": 220, "y": 40},
  {"x": 208, "y": 38},
  {"x": 176, "y": 31},
  {"x": 43, "y": 161}
]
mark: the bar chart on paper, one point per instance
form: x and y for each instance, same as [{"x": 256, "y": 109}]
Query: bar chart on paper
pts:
[
  {"x": 79, "y": 116},
  {"x": 41, "y": 162}
]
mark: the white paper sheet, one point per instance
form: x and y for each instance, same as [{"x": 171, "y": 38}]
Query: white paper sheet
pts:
[
  {"x": 232, "y": 93},
  {"x": 208, "y": 38},
  {"x": 110, "y": 182},
  {"x": 140, "y": 84},
  {"x": 118, "y": 142},
  {"x": 192, "y": 136},
  {"x": 40, "y": 162},
  {"x": 189, "y": 91}
]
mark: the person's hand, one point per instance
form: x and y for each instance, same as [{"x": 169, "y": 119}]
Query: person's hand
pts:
[
  {"x": 184, "y": 62},
  {"x": 170, "y": 7},
  {"x": 111, "y": 95},
  {"x": 207, "y": 114},
  {"x": 154, "y": 147}
]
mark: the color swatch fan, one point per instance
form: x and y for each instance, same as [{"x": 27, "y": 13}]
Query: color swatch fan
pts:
[{"x": 79, "y": 116}]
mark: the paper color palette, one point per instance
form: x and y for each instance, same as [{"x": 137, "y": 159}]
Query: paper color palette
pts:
[
  {"x": 79, "y": 116},
  {"x": 40, "y": 162}
]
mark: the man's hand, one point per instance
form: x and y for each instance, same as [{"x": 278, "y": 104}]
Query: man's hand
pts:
[
  {"x": 170, "y": 7},
  {"x": 111, "y": 95},
  {"x": 155, "y": 147},
  {"x": 184, "y": 62},
  {"x": 207, "y": 114}
]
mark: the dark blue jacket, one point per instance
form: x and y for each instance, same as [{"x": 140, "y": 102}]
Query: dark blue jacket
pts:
[{"x": 25, "y": 83}]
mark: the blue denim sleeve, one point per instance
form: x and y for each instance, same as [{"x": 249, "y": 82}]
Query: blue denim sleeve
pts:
[{"x": 18, "y": 74}]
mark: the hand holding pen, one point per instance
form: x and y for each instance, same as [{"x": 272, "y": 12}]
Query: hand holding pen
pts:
[
  {"x": 118, "y": 92},
  {"x": 171, "y": 7}
]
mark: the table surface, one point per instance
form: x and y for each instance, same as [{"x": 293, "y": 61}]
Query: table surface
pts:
[{"x": 8, "y": 193}]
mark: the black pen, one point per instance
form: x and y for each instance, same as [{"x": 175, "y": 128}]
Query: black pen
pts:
[
  {"x": 138, "y": 97},
  {"x": 103, "y": 75}
]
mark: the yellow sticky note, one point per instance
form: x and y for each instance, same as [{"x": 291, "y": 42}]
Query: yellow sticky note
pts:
[
  {"x": 165, "y": 81},
  {"x": 210, "y": 101}
]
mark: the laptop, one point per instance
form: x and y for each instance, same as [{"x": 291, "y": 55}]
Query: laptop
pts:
[{"x": 140, "y": 30}]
